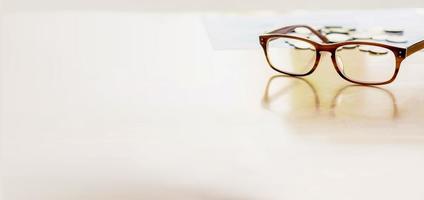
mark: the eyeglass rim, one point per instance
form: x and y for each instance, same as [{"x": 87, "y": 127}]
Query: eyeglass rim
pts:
[{"x": 399, "y": 53}]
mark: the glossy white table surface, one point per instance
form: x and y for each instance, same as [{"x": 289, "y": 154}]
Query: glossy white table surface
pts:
[{"x": 115, "y": 105}]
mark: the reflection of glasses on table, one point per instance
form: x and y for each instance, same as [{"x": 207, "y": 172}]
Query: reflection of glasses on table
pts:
[
  {"x": 367, "y": 108},
  {"x": 361, "y": 62}
]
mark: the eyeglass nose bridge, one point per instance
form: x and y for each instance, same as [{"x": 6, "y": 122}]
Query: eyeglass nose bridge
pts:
[{"x": 326, "y": 48}]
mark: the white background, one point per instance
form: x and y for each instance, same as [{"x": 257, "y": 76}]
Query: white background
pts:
[{"x": 205, "y": 5}]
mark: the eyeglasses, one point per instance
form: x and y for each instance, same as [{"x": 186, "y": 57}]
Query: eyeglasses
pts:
[{"x": 360, "y": 62}]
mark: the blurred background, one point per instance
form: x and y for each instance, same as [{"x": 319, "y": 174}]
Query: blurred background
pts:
[
  {"x": 204, "y": 5},
  {"x": 99, "y": 104}
]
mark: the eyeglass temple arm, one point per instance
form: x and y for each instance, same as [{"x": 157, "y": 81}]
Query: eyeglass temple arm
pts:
[
  {"x": 415, "y": 48},
  {"x": 289, "y": 29}
]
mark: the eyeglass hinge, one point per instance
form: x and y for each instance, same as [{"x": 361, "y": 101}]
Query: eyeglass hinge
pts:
[{"x": 402, "y": 53}]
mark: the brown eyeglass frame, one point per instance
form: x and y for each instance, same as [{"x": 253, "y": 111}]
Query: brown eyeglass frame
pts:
[{"x": 399, "y": 52}]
